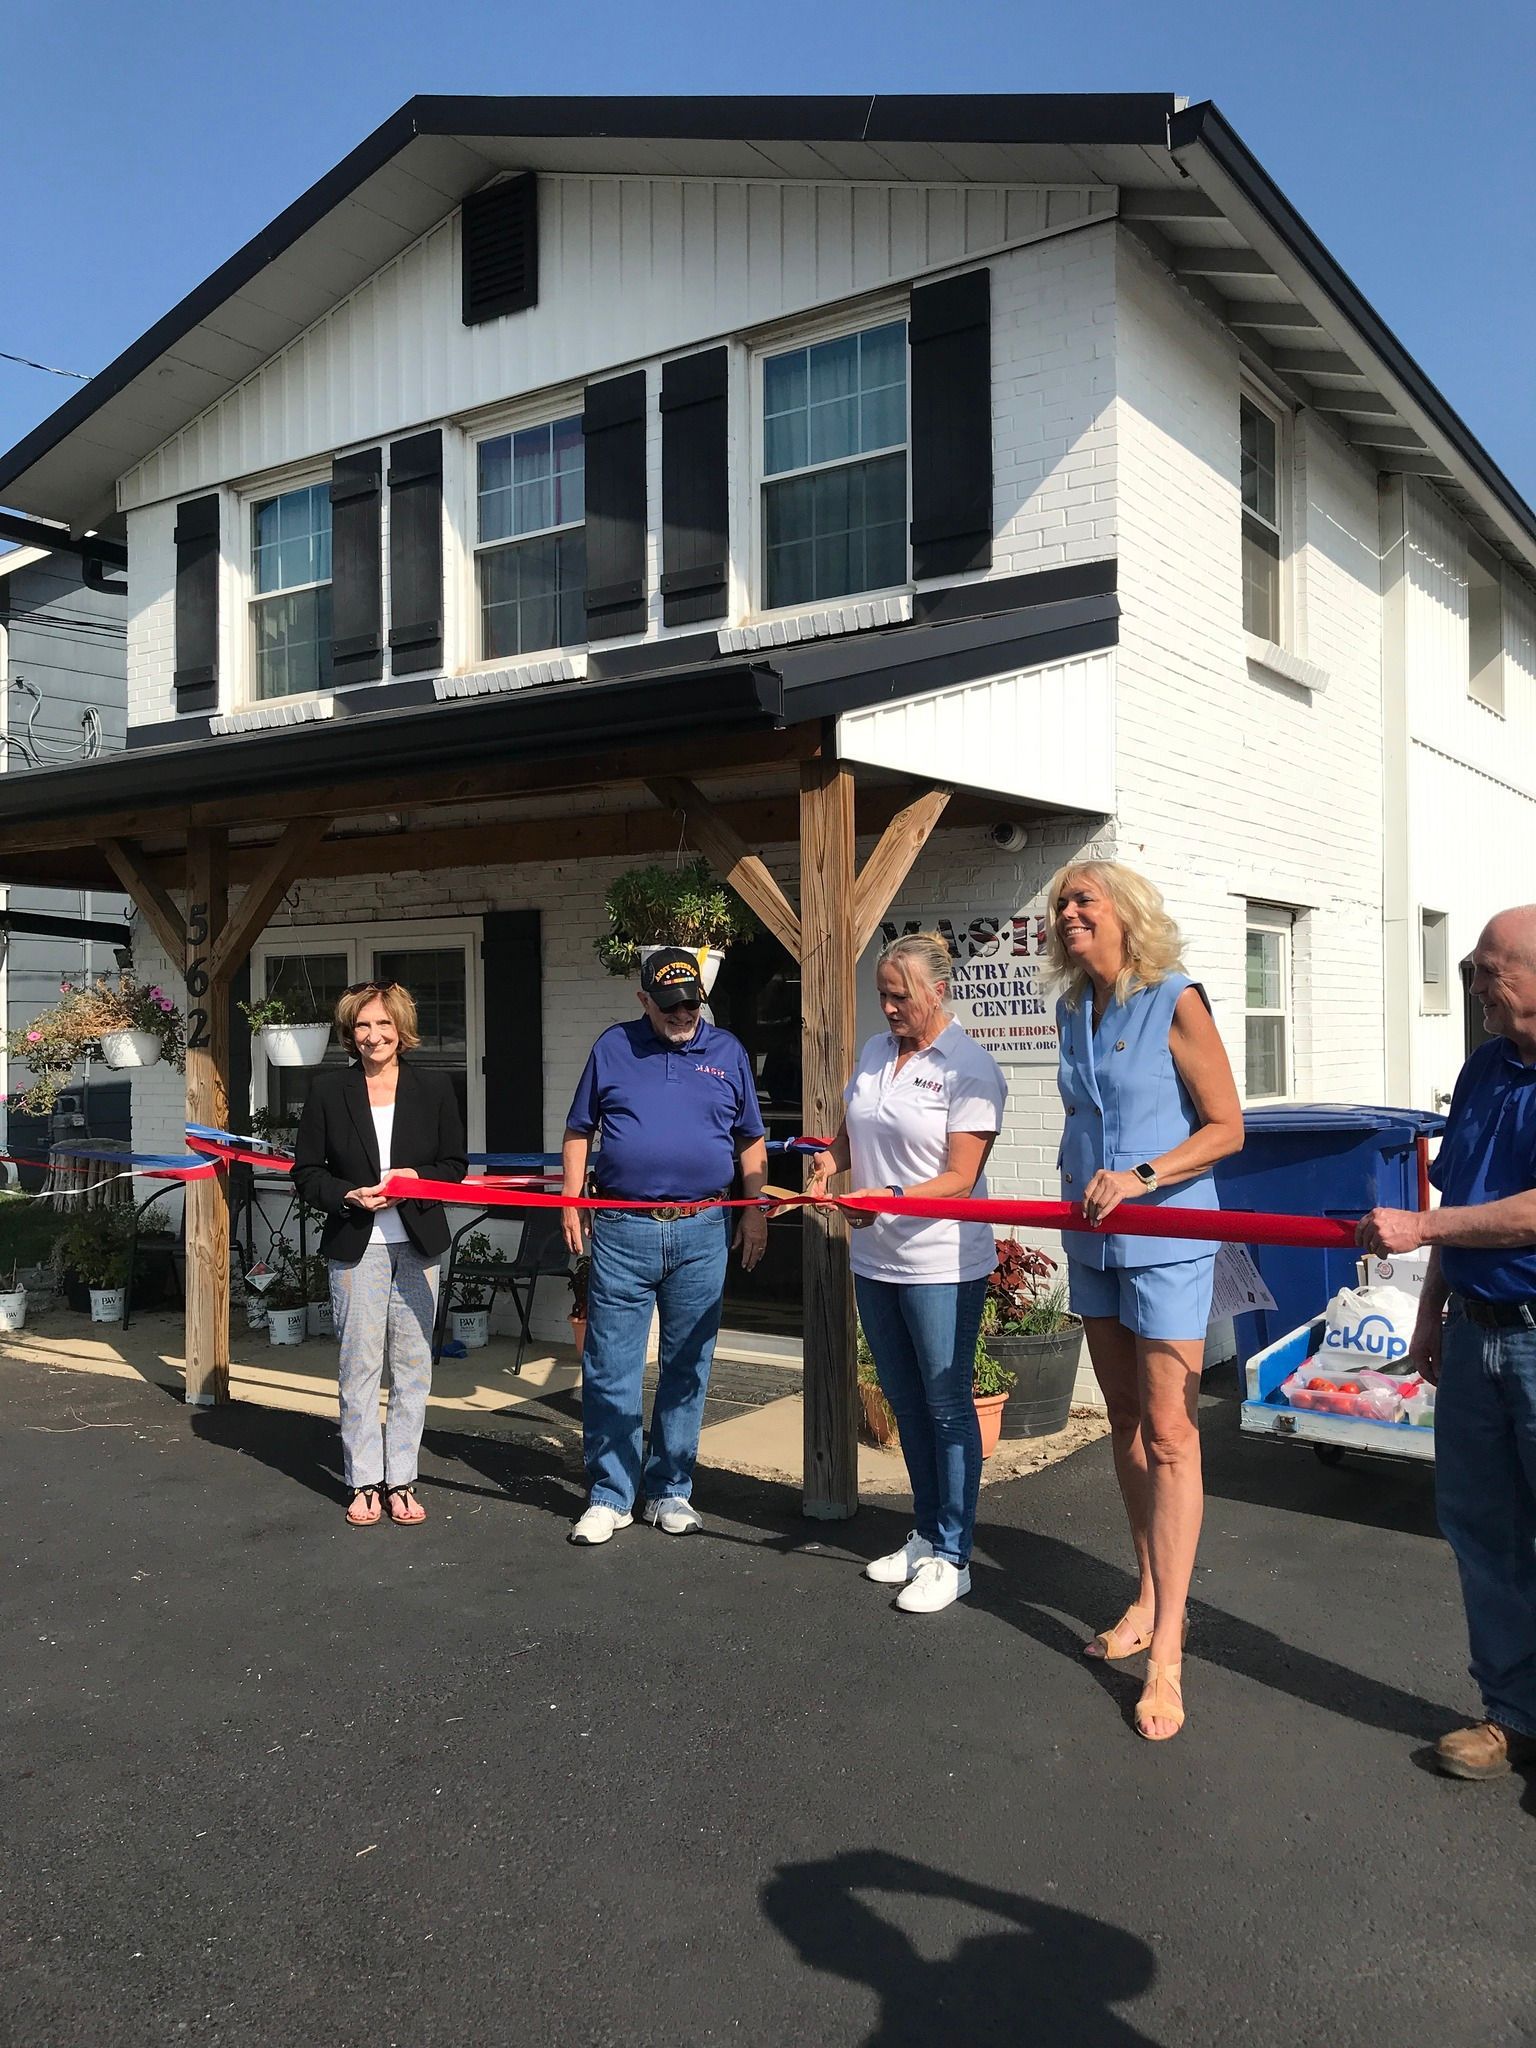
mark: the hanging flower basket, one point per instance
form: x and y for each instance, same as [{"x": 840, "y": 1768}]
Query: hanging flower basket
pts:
[
  {"x": 294, "y": 1045},
  {"x": 684, "y": 906},
  {"x": 130, "y": 1049}
]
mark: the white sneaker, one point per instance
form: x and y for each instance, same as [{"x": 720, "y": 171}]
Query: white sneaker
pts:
[
  {"x": 935, "y": 1584},
  {"x": 897, "y": 1566},
  {"x": 598, "y": 1524},
  {"x": 673, "y": 1515}
]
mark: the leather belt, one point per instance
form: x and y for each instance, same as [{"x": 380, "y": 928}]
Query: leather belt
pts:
[
  {"x": 669, "y": 1212},
  {"x": 1498, "y": 1315}
]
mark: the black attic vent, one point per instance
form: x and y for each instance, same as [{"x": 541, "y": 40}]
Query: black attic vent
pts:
[{"x": 501, "y": 250}]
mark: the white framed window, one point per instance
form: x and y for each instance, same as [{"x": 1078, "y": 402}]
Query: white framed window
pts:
[
  {"x": 1262, "y": 443},
  {"x": 1434, "y": 963},
  {"x": 1267, "y": 1020},
  {"x": 1485, "y": 627},
  {"x": 834, "y": 496},
  {"x": 530, "y": 538},
  {"x": 290, "y": 601},
  {"x": 438, "y": 961}
]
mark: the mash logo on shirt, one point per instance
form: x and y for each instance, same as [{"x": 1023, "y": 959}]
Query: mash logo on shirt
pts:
[
  {"x": 931, "y": 1087},
  {"x": 720, "y": 1073}
]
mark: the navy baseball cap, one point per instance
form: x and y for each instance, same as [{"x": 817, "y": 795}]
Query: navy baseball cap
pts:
[{"x": 670, "y": 977}]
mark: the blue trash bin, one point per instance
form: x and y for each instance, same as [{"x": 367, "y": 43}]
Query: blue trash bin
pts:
[{"x": 1317, "y": 1159}]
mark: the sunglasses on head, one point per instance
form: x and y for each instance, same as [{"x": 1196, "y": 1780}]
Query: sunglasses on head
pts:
[{"x": 379, "y": 988}]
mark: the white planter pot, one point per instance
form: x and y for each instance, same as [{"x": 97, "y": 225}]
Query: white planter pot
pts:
[
  {"x": 708, "y": 957},
  {"x": 318, "y": 1319},
  {"x": 130, "y": 1048},
  {"x": 13, "y": 1310},
  {"x": 471, "y": 1326},
  {"x": 295, "y": 1045},
  {"x": 286, "y": 1325},
  {"x": 255, "y": 1312},
  {"x": 107, "y": 1304}
]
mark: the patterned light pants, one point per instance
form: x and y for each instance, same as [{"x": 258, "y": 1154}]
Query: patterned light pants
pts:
[{"x": 384, "y": 1307}]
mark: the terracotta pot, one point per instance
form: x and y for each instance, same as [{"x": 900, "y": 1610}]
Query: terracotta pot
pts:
[
  {"x": 879, "y": 1422},
  {"x": 989, "y": 1413},
  {"x": 579, "y": 1332}
]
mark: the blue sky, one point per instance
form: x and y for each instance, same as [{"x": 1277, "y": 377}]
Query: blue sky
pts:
[{"x": 143, "y": 144}]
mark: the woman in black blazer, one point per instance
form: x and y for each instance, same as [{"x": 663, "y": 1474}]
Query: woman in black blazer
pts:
[{"x": 380, "y": 1116}]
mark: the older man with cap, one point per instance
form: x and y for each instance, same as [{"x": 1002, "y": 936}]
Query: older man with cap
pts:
[
  {"x": 1483, "y": 1355},
  {"x": 673, "y": 1103}
]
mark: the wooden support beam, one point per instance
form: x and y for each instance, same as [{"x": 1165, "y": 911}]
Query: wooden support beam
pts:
[
  {"x": 1171, "y": 202},
  {"x": 207, "y": 1103},
  {"x": 717, "y": 839},
  {"x": 1365, "y": 404},
  {"x": 831, "y": 1478},
  {"x": 281, "y": 864},
  {"x": 153, "y": 901},
  {"x": 1315, "y": 362},
  {"x": 891, "y": 862}
]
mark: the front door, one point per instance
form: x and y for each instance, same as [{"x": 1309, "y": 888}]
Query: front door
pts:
[{"x": 758, "y": 998}]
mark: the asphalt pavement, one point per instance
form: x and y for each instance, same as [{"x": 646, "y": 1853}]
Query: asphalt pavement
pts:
[{"x": 270, "y": 1781}]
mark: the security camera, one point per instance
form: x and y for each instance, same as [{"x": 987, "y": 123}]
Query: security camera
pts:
[{"x": 1010, "y": 838}]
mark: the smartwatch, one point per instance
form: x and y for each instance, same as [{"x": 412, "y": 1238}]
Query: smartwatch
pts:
[
  {"x": 1147, "y": 1175},
  {"x": 892, "y": 1188}
]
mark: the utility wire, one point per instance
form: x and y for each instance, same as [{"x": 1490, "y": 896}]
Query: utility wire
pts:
[{"x": 28, "y": 364}]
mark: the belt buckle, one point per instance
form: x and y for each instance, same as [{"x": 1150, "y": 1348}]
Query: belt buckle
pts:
[{"x": 668, "y": 1212}]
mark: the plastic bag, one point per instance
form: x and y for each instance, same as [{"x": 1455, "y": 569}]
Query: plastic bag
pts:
[
  {"x": 1327, "y": 1390},
  {"x": 1371, "y": 1327}
]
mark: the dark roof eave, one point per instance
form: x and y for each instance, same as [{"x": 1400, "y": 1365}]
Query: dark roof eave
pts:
[{"x": 549, "y": 723}]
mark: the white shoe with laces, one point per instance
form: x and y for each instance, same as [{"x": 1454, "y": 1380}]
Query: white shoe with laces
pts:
[
  {"x": 935, "y": 1584},
  {"x": 673, "y": 1515},
  {"x": 598, "y": 1524},
  {"x": 897, "y": 1566}
]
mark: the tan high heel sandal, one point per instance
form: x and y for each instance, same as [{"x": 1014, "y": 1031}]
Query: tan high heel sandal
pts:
[
  {"x": 1105, "y": 1655},
  {"x": 1162, "y": 1699}
]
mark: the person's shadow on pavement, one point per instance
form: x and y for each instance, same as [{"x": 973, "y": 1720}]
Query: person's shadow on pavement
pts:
[{"x": 1051, "y": 1983}]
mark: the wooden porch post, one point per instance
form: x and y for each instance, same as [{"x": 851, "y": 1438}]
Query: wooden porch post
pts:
[
  {"x": 831, "y": 1479},
  {"x": 207, "y": 1103}
]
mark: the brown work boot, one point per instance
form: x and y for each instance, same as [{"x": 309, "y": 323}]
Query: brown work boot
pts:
[{"x": 1486, "y": 1750}]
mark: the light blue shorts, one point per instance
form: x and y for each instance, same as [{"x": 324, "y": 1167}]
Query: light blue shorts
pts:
[{"x": 1172, "y": 1302}]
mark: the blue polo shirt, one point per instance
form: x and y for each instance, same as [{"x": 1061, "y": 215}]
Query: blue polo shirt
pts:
[
  {"x": 1488, "y": 1152},
  {"x": 672, "y": 1118}
]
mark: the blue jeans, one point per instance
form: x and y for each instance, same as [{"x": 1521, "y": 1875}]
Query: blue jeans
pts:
[
  {"x": 924, "y": 1341},
  {"x": 638, "y": 1264},
  {"x": 1485, "y": 1490}
]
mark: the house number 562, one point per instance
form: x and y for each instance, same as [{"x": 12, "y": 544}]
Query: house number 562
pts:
[{"x": 197, "y": 975}]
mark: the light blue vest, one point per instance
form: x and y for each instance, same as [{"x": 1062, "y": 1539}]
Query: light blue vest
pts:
[{"x": 1125, "y": 1103}]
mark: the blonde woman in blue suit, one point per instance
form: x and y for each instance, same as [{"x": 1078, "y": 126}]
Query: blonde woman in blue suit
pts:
[{"x": 1150, "y": 1106}]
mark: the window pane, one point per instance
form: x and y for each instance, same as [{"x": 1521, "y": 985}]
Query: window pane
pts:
[
  {"x": 293, "y": 642},
  {"x": 495, "y": 488},
  {"x": 784, "y": 386},
  {"x": 436, "y": 980},
  {"x": 532, "y": 595},
  {"x": 1261, "y": 580},
  {"x": 532, "y": 480},
  {"x": 1258, "y": 461},
  {"x": 835, "y": 399},
  {"x": 291, "y": 539},
  {"x": 834, "y": 532},
  {"x": 1265, "y": 1063},
  {"x": 1265, "y": 986}
]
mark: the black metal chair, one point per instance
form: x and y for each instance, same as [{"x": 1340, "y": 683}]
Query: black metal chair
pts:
[{"x": 540, "y": 1254}]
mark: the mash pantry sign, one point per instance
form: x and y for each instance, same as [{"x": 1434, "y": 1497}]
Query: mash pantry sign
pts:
[{"x": 998, "y": 989}]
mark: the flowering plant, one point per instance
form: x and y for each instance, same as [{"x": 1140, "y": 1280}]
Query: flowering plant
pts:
[
  {"x": 71, "y": 1030},
  {"x": 1023, "y": 1300}
]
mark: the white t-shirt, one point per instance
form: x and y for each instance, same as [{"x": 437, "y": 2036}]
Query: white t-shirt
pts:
[
  {"x": 898, "y": 1132},
  {"x": 388, "y": 1227}
]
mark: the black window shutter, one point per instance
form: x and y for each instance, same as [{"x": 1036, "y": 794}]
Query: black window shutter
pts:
[
  {"x": 499, "y": 250},
  {"x": 514, "y": 1032},
  {"x": 613, "y": 424},
  {"x": 416, "y": 553},
  {"x": 196, "y": 679},
  {"x": 357, "y": 626},
  {"x": 695, "y": 488},
  {"x": 951, "y": 339}
]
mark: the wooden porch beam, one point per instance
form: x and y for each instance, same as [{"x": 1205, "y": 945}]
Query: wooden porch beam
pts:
[
  {"x": 207, "y": 1199},
  {"x": 736, "y": 863},
  {"x": 281, "y": 864},
  {"x": 891, "y": 862},
  {"x": 153, "y": 901}
]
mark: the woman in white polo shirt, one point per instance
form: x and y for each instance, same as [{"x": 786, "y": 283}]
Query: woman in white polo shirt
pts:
[{"x": 922, "y": 1112}]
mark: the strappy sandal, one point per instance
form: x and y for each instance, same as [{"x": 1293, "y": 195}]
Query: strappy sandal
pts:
[
  {"x": 1107, "y": 1655},
  {"x": 399, "y": 1500},
  {"x": 1162, "y": 1700},
  {"x": 363, "y": 1509}
]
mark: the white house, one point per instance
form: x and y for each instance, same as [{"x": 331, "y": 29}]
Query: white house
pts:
[{"x": 827, "y": 455}]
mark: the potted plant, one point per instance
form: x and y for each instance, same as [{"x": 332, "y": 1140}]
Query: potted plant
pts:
[
  {"x": 1029, "y": 1328},
  {"x": 92, "y": 1250},
  {"x": 274, "y": 1128},
  {"x": 318, "y": 1319},
  {"x": 991, "y": 1384},
  {"x": 283, "y": 1298},
  {"x": 879, "y": 1422},
  {"x": 469, "y": 1313},
  {"x": 13, "y": 1301},
  {"x": 579, "y": 1276},
  {"x": 684, "y": 906},
  {"x": 129, "y": 1023},
  {"x": 294, "y": 1029}
]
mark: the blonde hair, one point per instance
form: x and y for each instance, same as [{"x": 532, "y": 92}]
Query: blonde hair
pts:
[
  {"x": 399, "y": 1005},
  {"x": 1153, "y": 947},
  {"x": 928, "y": 953}
]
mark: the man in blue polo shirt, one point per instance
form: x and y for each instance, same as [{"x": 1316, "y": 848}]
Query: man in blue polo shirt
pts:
[
  {"x": 1483, "y": 1262},
  {"x": 673, "y": 1101}
]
